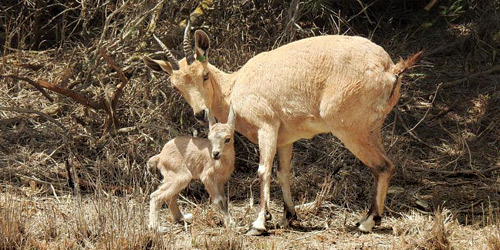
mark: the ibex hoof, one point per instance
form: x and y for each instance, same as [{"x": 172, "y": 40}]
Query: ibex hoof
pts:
[
  {"x": 368, "y": 222},
  {"x": 187, "y": 217},
  {"x": 288, "y": 221},
  {"x": 257, "y": 232},
  {"x": 159, "y": 229},
  {"x": 366, "y": 225}
]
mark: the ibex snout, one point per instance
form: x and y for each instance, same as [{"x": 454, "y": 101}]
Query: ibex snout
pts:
[{"x": 216, "y": 155}]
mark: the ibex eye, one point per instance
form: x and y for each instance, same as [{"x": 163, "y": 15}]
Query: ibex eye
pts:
[
  {"x": 205, "y": 77},
  {"x": 227, "y": 140}
]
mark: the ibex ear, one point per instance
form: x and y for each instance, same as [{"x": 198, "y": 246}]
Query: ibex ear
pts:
[
  {"x": 231, "y": 118},
  {"x": 201, "y": 45},
  {"x": 158, "y": 65},
  {"x": 211, "y": 118}
]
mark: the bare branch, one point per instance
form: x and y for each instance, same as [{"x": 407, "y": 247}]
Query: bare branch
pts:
[
  {"x": 58, "y": 89},
  {"x": 33, "y": 83},
  {"x": 70, "y": 93},
  {"x": 29, "y": 111},
  {"x": 472, "y": 76}
]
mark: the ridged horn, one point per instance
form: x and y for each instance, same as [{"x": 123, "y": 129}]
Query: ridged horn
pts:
[
  {"x": 187, "y": 45},
  {"x": 170, "y": 57}
]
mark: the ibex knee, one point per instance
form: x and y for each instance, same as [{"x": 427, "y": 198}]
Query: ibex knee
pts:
[{"x": 386, "y": 167}]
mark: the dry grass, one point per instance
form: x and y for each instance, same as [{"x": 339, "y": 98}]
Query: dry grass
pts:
[
  {"x": 101, "y": 222},
  {"x": 445, "y": 193}
]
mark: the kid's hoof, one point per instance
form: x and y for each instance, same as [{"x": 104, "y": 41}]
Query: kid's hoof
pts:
[
  {"x": 257, "y": 232},
  {"x": 162, "y": 230},
  {"x": 159, "y": 229},
  {"x": 187, "y": 217}
]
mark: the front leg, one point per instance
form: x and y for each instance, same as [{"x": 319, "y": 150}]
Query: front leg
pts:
[
  {"x": 223, "y": 206},
  {"x": 218, "y": 198},
  {"x": 268, "y": 136}
]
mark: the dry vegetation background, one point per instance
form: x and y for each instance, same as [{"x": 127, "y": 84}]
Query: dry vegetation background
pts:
[{"x": 72, "y": 173}]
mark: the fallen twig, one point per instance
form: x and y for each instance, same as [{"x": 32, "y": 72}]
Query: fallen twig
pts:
[
  {"x": 33, "y": 83},
  {"x": 410, "y": 132},
  {"x": 118, "y": 92},
  {"x": 472, "y": 76},
  {"x": 430, "y": 5},
  {"x": 446, "y": 47},
  {"x": 73, "y": 181},
  {"x": 457, "y": 173},
  {"x": 124, "y": 80},
  {"x": 21, "y": 110},
  {"x": 70, "y": 93},
  {"x": 445, "y": 111},
  {"x": 427, "y": 111},
  {"x": 40, "y": 84}
]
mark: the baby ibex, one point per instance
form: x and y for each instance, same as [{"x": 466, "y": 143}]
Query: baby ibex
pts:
[{"x": 185, "y": 158}]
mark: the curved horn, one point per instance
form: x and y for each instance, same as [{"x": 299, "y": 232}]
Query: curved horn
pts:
[
  {"x": 187, "y": 45},
  {"x": 169, "y": 55}
]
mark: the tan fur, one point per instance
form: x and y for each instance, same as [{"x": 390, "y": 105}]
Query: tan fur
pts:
[
  {"x": 345, "y": 85},
  {"x": 185, "y": 158}
]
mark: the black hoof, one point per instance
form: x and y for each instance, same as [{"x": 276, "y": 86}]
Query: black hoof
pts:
[
  {"x": 269, "y": 216},
  {"x": 257, "y": 232},
  {"x": 290, "y": 222}
]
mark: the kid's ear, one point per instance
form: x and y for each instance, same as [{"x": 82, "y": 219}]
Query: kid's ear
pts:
[
  {"x": 201, "y": 45},
  {"x": 211, "y": 119},
  {"x": 158, "y": 65}
]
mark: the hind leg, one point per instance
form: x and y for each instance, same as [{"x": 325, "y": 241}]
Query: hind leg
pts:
[
  {"x": 168, "y": 191},
  {"x": 367, "y": 147},
  {"x": 283, "y": 176},
  {"x": 176, "y": 212}
]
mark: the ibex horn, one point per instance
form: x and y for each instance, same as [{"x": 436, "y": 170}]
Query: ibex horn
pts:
[
  {"x": 187, "y": 45},
  {"x": 169, "y": 55}
]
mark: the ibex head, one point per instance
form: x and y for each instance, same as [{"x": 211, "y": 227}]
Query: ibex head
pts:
[
  {"x": 221, "y": 135},
  {"x": 190, "y": 75}
]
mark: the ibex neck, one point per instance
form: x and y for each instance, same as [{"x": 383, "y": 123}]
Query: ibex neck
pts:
[
  {"x": 228, "y": 157},
  {"x": 223, "y": 86}
]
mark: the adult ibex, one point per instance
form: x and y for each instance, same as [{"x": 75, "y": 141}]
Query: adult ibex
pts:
[{"x": 345, "y": 85}]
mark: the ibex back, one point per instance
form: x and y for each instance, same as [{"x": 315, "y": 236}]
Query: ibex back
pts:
[{"x": 345, "y": 85}]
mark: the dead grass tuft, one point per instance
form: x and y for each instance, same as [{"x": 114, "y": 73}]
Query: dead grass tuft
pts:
[
  {"x": 494, "y": 240},
  {"x": 12, "y": 228},
  {"x": 227, "y": 239},
  {"x": 438, "y": 236}
]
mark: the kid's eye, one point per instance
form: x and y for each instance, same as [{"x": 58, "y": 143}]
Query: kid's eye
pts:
[
  {"x": 227, "y": 140},
  {"x": 205, "y": 77}
]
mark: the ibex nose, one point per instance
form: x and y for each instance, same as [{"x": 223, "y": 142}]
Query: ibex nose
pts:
[
  {"x": 200, "y": 116},
  {"x": 216, "y": 155}
]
